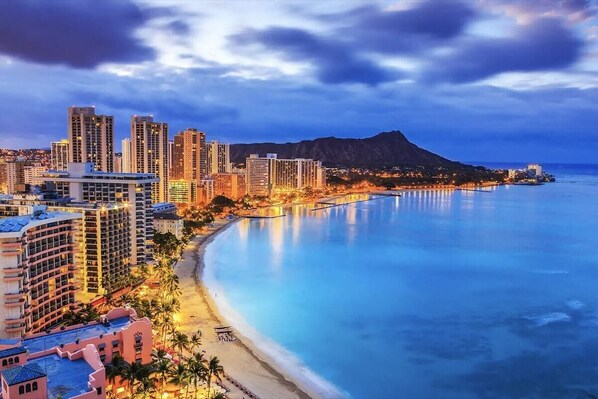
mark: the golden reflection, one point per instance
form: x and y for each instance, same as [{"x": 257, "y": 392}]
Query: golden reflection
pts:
[{"x": 277, "y": 242}]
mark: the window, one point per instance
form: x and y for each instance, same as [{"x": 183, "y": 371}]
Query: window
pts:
[
  {"x": 21, "y": 390},
  {"x": 4, "y": 363},
  {"x": 28, "y": 387},
  {"x": 16, "y": 359},
  {"x": 10, "y": 361},
  {"x": 34, "y": 386}
]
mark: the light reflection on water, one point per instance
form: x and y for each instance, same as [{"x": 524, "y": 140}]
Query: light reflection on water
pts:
[{"x": 450, "y": 294}]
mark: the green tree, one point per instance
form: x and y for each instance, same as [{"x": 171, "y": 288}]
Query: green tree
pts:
[{"x": 215, "y": 370}]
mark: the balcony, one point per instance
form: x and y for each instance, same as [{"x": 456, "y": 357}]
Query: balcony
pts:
[{"x": 20, "y": 327}]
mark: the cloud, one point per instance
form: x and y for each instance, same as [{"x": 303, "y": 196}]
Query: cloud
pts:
[
  {"x": 334, "y": 61},
  {"x": 410, "y": 30},
  {"x": 179, "y": 27},
  {"x": 81, "y": 34},
  {"x": 544, "y": 44}
]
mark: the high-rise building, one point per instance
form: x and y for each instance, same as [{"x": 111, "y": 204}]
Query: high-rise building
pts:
[
  {"x": 269, "y": 175},
  {"x": 118, "y": 163},
  {"x": 126, "y": 155},
  {"x": 59, "y": 155},
  {"x": 132, "y": 190},
  {"x": 149, "y": 152},
  {"x": 32, "y": 173},
  {"x": 206, "y": 191},
  {"x": 259, "y": 171},
  {"x": 103, "y": 252},
  {"x": 170, "y": 155},
  {"x": 182, "y": 191},
  {"x": 37, "y": 258},
  {"x": 218, "y": 158},
  {"x": 14, "y": 175},
  {"x": 231, "y": 185},
  {"x": 189, "y": 156},
  {"x": 91, "y": 138}
]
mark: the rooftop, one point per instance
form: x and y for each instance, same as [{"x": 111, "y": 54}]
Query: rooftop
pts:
[
  {"x": 19, "y": 374},
  {"x": 40, "y": 343},
  {"x": 166, "y": 216},
  {"x": 66, "y": 378},
  {"x": 17, "y": 223},
  {"x": 12, "y": 351}
]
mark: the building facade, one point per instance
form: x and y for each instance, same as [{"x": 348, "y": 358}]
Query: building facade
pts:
[
  {"x": 218, "y": 158},
  {"x": 91, "y": 138},
  {"x": 165, "y": 222},
  {"x": 149, "y": 152},
  {"x": 269, "y": 175},
  {"x": 231, "y": 185},
  {"x": 71, "y": 363},
  {"x": 37, "y": 255},
  {"x": 189, "y": 156},
  {"x": 182, "y": 191},
  {"x": 59, "y": 154},
  {"x": 131, "y": 190},
  {"x": 126, "y": 155}
]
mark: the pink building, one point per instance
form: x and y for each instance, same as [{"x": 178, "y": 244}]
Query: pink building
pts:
[{"x": 70, "y": 362}]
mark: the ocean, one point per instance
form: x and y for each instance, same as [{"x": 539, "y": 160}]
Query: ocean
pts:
[{"x": 436, "y": 294}]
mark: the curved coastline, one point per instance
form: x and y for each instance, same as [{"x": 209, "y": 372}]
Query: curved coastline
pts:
[{"x": 284, "y": 373}]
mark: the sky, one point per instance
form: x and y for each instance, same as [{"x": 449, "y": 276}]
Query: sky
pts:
[{"x": 480, "y": 80}]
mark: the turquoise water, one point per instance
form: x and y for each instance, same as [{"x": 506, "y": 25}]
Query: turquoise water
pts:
[{"x": 433, "y": 295}]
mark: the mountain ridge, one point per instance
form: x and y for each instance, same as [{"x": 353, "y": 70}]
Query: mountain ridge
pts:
[{"x": 385, "y": 149}]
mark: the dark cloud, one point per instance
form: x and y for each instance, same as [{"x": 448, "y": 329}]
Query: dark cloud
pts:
[
  {"x": 179, "y": 27},
  {"x": 334, "y": 61},
  {"x": 544, "y": 44},
  {"x": 416, "y": 29},
  {"x": 81, "y": 34}
]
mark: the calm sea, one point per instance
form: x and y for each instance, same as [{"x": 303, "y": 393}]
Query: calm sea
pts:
[{"x": 437, "y": 294}]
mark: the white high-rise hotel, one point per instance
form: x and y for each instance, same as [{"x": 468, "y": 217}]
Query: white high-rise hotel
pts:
[{"x": 132, "y": 190}]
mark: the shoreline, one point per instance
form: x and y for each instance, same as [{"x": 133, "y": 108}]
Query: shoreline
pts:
[{"x": 242, "y": 359}]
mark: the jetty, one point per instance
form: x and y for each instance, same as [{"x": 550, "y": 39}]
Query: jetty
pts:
[
  {"x": 481, "y": 190},
  {"x": 264, "y": 216}
]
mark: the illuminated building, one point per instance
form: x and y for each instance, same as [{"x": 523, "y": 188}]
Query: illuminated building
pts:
[
  {"x": 231, "y": 185},
  {"x": 218, "y": 158},
  {"x": 132, "y": 190},
  {"x": 182, "y": 191},
  {"x": 59, "y": 154},
  {"x": 91, "y": 138},
  {"x": 149, "y": 152},
  {"x": 37, "y": 257},
  {"x": 70, "y": 363},
  {"x": 189, "y": 156}
]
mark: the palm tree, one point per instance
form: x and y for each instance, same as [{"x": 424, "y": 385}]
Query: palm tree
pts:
[
  {"x": 179, "y": 375},
  {"x": 181, "y": 342},
  {"x": 197, "y": 370},
  {"x": 134, "y": 373},
  {"x": 214, "y": 370},
  {"x": 162, "y": 367},
  {"x": 195, "y": 341},
  {"x": 113, "y": 371},
  {"x": 147, "y": 386}
]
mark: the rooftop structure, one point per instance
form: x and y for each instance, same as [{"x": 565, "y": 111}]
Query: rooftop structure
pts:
[{"x": 70, "y": 363}]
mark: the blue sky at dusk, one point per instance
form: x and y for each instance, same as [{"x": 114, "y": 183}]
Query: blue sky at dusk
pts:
[{"x": 470, "y": 80}]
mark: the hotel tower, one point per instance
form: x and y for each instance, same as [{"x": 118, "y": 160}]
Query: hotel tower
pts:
[
  {"x": 91, "y": 138},
  {"x": 149, "y": 152}
]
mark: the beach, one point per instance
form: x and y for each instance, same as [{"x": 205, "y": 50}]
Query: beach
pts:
[{"x": 240, "y": 358}]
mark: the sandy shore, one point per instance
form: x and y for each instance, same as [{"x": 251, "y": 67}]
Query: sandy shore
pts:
[{"x": 240, "y": 359}]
